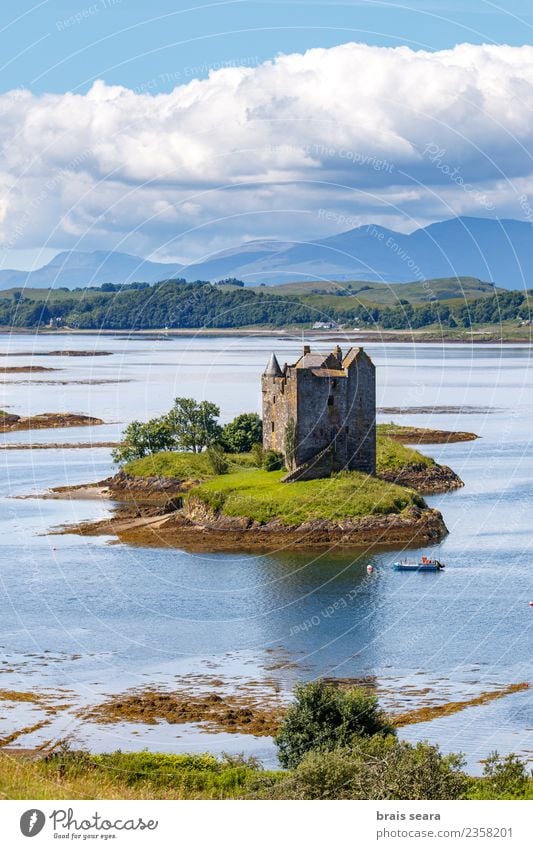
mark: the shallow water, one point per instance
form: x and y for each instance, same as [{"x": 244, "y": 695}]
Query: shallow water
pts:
[{"x": 94, "y": 618}]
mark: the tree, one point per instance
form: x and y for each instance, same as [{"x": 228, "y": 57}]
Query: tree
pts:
[
  {"x": 326, "y": 717},
  {"x": 242, "y": 433},
  {"x": 142, "y": 438},
  {"x": 290, "y": 442},
  {"x": 194, "y": 425}
]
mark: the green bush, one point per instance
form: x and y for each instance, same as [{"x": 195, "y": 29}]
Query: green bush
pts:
[
  {"x": 503, "y": 778},
  {"x": 258, "y": 454},
  {"x": 272, "y": 461},
  {"x": 326, "y": 717},
  {"x": 217, "y": 460},
  {"x": 372, "y": 768}
]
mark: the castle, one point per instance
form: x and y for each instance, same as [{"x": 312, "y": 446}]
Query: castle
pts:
[{"x": 320, "y": 413}]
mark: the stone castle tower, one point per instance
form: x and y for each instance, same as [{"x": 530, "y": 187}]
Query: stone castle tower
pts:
[{"x": 320, "y": 413}]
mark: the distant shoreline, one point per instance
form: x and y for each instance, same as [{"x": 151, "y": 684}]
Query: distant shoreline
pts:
[{"x": 351, "y": 336}]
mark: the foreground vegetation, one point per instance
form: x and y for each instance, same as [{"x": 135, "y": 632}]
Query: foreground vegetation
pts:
[{"x": 334, "y": 743}]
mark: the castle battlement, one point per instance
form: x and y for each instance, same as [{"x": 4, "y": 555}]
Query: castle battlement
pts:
[{"x": 323, "y": 404}]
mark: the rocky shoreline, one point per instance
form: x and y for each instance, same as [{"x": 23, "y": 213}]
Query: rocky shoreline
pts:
[
  {"x": 153, "y": 512},
  {"x": 425, "y": 435},
  {"x": 9, "y": 422},
  {"x": 189, "y": 530},
  {"x": 427, "y": 480}
]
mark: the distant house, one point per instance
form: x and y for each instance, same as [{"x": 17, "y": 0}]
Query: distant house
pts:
[{"x": 325, "y": 325}]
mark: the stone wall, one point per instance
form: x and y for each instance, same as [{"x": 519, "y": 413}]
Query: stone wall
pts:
[{"x": 329, "y": 407}]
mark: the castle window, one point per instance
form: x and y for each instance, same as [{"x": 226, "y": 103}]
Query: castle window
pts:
[
  {"x": 273, "y": 399},
  {"x": 331, "y": 401},
  {"x": 334, "y": 384},
  {"x": 273, "y": 427}
]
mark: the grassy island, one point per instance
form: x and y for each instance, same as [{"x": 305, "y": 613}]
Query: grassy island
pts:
[{"x": 260, "y": 496}]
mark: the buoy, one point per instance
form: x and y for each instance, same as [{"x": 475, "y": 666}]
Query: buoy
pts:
[
  {"x": 531, "y": 603},
  {"x": 370, "y": 569}
]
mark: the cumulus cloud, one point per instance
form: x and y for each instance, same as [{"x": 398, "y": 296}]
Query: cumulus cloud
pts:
[{"x": 391, "y": 135}]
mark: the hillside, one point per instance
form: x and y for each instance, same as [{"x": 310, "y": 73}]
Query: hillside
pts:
[{"x": 177, "y": 304}]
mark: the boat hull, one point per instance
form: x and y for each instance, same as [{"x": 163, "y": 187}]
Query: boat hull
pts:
[{"x": 417, "y": 567}]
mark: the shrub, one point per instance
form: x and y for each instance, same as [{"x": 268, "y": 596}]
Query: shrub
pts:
[
  {"x": 258, "y": 454},
  {"x": 326, "y": 717},
  {"x": 372, "y": 768},
  {"x": 272, "y": 461},
  {"x": 503, "y": 777},
  {"x": 217, "y": 459}
]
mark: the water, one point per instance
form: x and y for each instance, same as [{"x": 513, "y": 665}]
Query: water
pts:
[{"x": 94, "y": 618}]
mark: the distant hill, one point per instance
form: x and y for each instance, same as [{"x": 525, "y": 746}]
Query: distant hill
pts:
[
  {"x": 500, "y": 251},
  {"x": 80, "y": 268},
  {"x": 388, "y": 294}
]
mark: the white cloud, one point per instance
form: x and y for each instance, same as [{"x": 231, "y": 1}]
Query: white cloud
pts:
[{"x": 388, "y": 135}]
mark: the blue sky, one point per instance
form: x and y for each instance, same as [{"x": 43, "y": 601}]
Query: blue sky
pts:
[
  {"x": 177, "y": 129},
  {"x": 62, "y": 45}
]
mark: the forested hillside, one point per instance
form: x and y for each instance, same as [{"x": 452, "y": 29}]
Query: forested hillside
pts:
[{"x": 177, "y": 304}]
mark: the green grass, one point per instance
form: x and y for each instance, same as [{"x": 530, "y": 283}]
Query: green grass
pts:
[
  {"x": 181, "y": 464},
  {"x": 392, "y": 455},
  {"x": 147, "y": 775},
  {"x": 261, "y": 496},
  {"x": 134, "y": 775},
  {"x": 444, "y": 289}
]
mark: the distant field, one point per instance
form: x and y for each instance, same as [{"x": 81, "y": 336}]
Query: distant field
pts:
[{"x": 386, "y": 294}]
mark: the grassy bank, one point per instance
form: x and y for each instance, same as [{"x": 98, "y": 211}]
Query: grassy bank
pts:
[
  {"x": 391, "y": 456},
  {"x": 146, "y": 775},
  {"x": 261, "y": 496}
]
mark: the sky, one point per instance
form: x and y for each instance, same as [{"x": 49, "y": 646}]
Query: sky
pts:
[{"x": 177, "y": 129}]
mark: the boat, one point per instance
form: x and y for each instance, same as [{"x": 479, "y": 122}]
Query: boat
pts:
[{"x": 426, "y": 564}]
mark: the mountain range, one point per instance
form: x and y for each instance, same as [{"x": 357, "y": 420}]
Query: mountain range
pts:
[{"x": 495, "y": 250}]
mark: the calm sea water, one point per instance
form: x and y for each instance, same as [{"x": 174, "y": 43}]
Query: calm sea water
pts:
[{"x": 94, "y": 618}]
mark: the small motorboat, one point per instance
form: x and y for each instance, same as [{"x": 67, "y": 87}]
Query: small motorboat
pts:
[{"x": 426, "y": 564}]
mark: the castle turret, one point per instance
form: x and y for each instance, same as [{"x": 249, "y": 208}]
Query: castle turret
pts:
[{"x": 273, "y": 369}]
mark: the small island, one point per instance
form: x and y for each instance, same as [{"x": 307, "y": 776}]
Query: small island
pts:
[
  {"x": 314, "y": 471},
  {"x": 10, "y": 422}
]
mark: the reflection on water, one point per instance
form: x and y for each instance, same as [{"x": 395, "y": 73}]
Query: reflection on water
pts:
[{"x": 92, "y": 617}]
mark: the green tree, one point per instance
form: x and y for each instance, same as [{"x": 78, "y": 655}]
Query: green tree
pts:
[
  {"x": 326, "y": 717},
  {"x": 242, "y": 433},
  {"x": 290, "y": 442},
  {"x": 194, "y": 425},
  {"x": 142, "y": 438}
]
